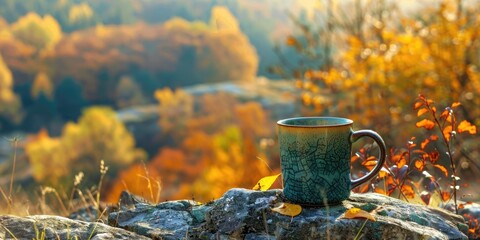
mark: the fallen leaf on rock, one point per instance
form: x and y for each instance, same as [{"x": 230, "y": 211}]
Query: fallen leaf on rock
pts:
[
  {"x": 358, "y": 213},
  {"x": 265, "y": 183},
  {"x": 288, "y": 209}
]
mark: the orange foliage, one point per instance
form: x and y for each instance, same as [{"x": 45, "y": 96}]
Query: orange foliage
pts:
[
  {"x": 219, "y": 148},
  {"x": 136, "y": 179},
  {"x": 403, "y": 167},
  {"x": 39, "y": 32}
]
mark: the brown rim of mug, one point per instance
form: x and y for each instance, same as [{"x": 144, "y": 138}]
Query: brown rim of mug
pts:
[{"x": 283, "y": 124}]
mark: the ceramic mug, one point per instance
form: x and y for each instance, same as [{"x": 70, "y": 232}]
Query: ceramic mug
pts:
[{"x": 315, "y": 157}]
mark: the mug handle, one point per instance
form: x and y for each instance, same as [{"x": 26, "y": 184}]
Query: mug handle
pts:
[{"x": 383, "y": 149}]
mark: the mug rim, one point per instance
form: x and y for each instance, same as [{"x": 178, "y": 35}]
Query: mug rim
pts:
[{"x": 346, "y": 122}]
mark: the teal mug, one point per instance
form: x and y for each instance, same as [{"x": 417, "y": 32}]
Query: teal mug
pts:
[{"x": 315, "y": 155}]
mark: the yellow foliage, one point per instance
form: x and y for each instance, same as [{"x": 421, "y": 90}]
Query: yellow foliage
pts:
[
  {"x": 381, "y": 70},
  {"x": 223, "y": 20},
  {"x": 180, "y": 23},
  {"x": 175, "y": 108},
  {"x": 9, "y": 102},
  {"x": 6, "y": 83},
  {"x": 48, "y": 160},
  {"x": 42, "y": 84},
  {"x": 40, "y": 32},
  {"x": 80, "y": 12},
  {"x": 97, "y": 135}
]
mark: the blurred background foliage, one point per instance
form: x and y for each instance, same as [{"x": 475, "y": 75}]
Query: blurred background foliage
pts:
[{"x": 180, "y": 98}]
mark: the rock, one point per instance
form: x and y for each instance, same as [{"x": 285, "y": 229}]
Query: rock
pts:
[
  {"x": 169, "y": 220},
  {"x": 246, "y": 214},
  {"x": 54, "y": 227}
]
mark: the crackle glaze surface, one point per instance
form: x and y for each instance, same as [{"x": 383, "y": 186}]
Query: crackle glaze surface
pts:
[{"x": 315, "y": 160}]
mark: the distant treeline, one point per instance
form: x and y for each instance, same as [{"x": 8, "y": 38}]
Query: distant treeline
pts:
[
  {"x": 48, "y": 76},
  {"x": 57, "y": 57}
]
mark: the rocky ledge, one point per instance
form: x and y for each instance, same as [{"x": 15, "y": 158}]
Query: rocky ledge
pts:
[{"x": 246, "y": 214}]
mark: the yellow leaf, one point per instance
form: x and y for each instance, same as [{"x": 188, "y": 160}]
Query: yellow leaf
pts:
[
  {"x": 265, "y": 183},
  {"x": 288, "y": 209},
  {"x": 358, "y": 213}
]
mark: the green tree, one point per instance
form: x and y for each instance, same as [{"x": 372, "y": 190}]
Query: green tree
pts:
[
  {"x": 40, "y": 114},
  {"x": 70, "y": 99},
  {"x": 147, "y": 81}
]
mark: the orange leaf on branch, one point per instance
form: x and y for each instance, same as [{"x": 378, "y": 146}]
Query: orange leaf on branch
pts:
[
  {"x": 445, "y": 113},
  {"x": 383, "y": 173},
  {"x": 442, "y": 168},
  {"x": 447, "y": 132},
  {"x": 425, "y": 123},
  {"x": 408, "y": 191},
  {"x": 434, "y": 156},
  {"x": 418, "y": 105},
  {"x": 380, "y": 191},
  {"x": 419, "y": 164},
  {"x": 421, "y": 112},
  {"x": 455, "y": 104},
  {"x": 370, "y": 162},
  {"x": 445, "y": 196},
  {"x": 466, "y": 126},
  {"x": 434, "y": 137},
  {"x": 424, "y": 143}
]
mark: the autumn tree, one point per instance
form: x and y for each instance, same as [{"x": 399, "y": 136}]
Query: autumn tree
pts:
[
  {"x": 217, "y": 146},
  {"x": 80, "y": 13},
  {"x": 97, "y": 136},
  {"x": 42, "y": 84},
  {"x": 175, "y": 108},
  {"x": 382, "y": 63},
  {"x": 10, "y": 104},
  {"x": 128, "y": 93},
  {"x": 40, "y": 32}
]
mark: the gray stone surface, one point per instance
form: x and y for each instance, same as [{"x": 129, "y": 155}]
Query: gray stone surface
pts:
[
  {"x": 54, "y": 227},
  {"x": 246, "y": 214}
]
